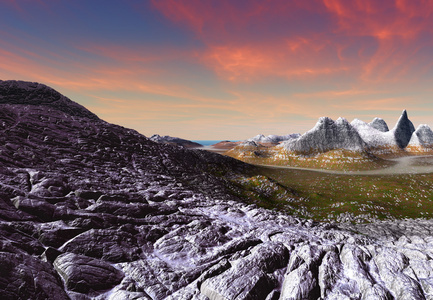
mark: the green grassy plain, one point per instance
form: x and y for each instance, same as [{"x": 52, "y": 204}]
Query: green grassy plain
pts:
[{"x": 339, "y": 197}]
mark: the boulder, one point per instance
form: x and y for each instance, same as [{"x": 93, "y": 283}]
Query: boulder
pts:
[{"x": 85, "y": 275}]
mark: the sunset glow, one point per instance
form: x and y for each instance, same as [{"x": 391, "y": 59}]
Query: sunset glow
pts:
[{"x": 226, "y": 69}]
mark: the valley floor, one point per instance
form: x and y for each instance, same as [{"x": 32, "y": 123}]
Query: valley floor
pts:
[{"x": 402, "y": 190}]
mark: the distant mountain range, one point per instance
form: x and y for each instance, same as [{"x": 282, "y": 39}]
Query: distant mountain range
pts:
[
  {"x": 358, "y": 136},
  {"x": 340, "y": 145}
]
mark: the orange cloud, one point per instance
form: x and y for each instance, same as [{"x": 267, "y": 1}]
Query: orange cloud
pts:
[
  {"x": 366, "y": 39},
  {"x": 298, "y": 58}
]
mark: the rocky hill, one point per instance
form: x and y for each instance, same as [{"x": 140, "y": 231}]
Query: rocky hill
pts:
[{"x": 91, "y": 210}]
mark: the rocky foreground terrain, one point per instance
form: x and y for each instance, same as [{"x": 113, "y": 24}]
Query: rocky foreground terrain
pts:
[{"x": 91, "y": 210}]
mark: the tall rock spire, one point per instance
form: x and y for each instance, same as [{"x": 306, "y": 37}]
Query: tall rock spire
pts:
[{"x": 403, "y": 130}]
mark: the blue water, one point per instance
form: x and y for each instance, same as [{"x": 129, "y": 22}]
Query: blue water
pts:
[{"x": 207, "y": 142}]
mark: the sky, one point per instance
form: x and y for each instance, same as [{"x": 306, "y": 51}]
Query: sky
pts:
[{"x": 226, "y": 70}]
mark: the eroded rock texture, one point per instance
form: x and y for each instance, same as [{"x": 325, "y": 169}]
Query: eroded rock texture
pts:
[{"x": 90, "y": 210}]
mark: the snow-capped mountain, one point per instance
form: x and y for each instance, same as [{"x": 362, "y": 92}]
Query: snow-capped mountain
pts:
[
  {"x": 373, "y": 137},
  {"x": 378, "y": 139},
  {"x": 355, "y": 136},
  {"x": 422, "y": 139},
  {"x": 273, "y": 139},
  {"x": 327, "y": 135}
]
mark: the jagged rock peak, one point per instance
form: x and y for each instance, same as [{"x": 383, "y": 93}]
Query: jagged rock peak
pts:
[
  {"x": 379, "y": 124},
  {"x": 33, "y": 93},
  {"x": 328, "y": 135},
  {"x": 403, "y": 130}
]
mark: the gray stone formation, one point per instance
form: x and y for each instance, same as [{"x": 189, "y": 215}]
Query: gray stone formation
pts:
[
  {"x": 403, "y": 130},
  {"x": 327, "y": 135},
  {"x": 91, "y": 210},
  {"x": 379, "y": 124},
  {"x": 422, "y": 137}
]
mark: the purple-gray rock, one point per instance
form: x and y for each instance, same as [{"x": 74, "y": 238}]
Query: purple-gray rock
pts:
[
  {"x": 26, "y": 277},
  {"x": 86, "y": 275}
]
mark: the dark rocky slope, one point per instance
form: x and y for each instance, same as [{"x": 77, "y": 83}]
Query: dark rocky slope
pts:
[{"x": 91, "y": 210}]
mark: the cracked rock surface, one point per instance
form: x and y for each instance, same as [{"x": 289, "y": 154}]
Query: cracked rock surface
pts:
[{"x": 91, "y": 210}]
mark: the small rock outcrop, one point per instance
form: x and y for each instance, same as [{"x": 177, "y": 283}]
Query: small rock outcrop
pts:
[{"x": 86, "y": 275}]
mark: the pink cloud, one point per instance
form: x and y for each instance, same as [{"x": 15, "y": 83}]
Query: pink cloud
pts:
[
  {"x": 287, "y": 59},
  {"x": 369, "y": 40}
]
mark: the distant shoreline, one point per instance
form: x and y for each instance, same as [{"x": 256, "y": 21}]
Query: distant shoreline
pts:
[{"x": 208, "y": 142}]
